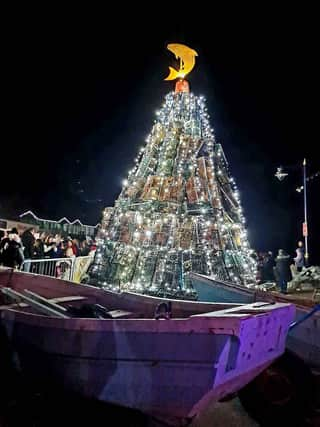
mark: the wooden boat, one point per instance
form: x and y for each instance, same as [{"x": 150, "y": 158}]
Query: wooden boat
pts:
[
  {"x": 174, "y": 367},
  {"x": 303, "y": 340},
  {"x": 287, "y": 392}
]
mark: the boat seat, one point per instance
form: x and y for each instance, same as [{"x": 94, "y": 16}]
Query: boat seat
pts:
[
  {"x": 240, "y": 310},
  {"x": 67, "y": 299},
  {"x": 54, "y": 300},
  {"x": 14, "y": 305},
  {"x": 114, "y": 314},
  {"x": 121, "y": 314}
]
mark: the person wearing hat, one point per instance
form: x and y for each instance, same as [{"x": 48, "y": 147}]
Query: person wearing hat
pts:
[
  {"x": 283, "y": 270},
  {"x": 299, "y": 259},
  {"x": 11, "y": 250}
]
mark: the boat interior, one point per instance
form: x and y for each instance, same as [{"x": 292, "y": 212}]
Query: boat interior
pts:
[{"x": 32, "y": 293}]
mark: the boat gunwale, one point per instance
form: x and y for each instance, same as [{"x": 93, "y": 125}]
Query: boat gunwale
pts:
[
  {"x": 258, "y": 293},
  {"x": 192, "y": 324}
]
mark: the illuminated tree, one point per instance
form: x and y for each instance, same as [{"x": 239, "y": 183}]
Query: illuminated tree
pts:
[{"x": 178, "y": 211}]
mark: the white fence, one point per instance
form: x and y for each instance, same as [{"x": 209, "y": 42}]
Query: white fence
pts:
[{"x": 72, "y": 269}]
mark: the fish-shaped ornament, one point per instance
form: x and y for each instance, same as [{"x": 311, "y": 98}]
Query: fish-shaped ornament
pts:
[{"x": 187, "y": 60}]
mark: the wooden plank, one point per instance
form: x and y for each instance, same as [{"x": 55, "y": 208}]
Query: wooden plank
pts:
[
  {"x": 17, "y": 296},
  {"x": 45, "y": 301},
  {"x": 115, "y": 314},
  {"x": 15, "y": 305},
  {"x": 54, "y": 300},
  {"x": 66, "y": 299}
]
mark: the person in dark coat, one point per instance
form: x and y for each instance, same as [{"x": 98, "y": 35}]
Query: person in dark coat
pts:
[
  {"x": 267, "y": 270},
  {"x": 11, "y": 248},
  {"x": 260, "y": 262},
  {"x": 283, "y": 270},
  {"x": 38, "y": 249},
  {"x": 84, "y": 248},
  {"x": 28, "y": 241},
  {"x": 3, "y": 236}
]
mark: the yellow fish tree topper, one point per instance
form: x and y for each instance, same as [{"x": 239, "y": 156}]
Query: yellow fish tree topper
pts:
[{"x": 187, "y": 60}]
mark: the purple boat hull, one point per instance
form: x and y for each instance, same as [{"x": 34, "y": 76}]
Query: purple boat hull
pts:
[
  {"x": 173, "y": 369},
  {"x": 303, "y": 340}
]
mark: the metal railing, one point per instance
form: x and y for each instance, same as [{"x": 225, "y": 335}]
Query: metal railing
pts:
[
  {"x": 62, "y": 268},
  {"x": 305, "y": 317}
]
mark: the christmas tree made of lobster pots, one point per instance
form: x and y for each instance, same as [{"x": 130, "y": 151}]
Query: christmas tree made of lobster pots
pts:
[{"x": 179, "y": 210}]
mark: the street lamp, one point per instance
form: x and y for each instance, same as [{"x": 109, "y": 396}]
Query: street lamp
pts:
[
  {"x": 280, "y": 174},
  {"x": 305, "y": 224}
]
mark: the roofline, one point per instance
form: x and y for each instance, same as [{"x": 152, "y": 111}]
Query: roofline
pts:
[{"x": 59, "y": 221}]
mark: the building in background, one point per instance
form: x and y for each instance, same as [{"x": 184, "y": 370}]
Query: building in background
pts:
[{"x": 63, "y": 226}]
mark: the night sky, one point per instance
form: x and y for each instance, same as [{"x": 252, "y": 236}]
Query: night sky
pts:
[{"x": 81, "y": 95}]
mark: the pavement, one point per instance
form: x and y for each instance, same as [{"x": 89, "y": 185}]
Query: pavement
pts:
[
  {"x": 229, "y": 414},
  {"x": 224, "y": 414}
]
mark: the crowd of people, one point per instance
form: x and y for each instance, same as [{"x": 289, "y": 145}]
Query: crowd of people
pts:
[
  {"x": 281, "y": 268},
  {"x": 15, "y": 249},
  {"x": 31, "y": 244}
]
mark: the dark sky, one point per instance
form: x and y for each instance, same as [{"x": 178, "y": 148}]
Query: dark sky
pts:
[{"x": 80, "y": 96}]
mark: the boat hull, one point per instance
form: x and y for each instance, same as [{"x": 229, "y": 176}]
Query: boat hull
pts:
[
  {"x": 303, "y": 340},
  {"x": 173, "y": 369}
]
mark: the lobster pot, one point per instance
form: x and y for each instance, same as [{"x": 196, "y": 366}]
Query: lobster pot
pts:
[
  {"x": 191, "y": 190},
  {"x": 171, "y": 190},
  {"x": 185, "y": 234},
  {"x": 152, "y": 188},
  {"x": 236, "y": 235},
  {"x": 159, "y": 270},
  {"x": 170, "y": 278},
  {"x": 135, "y": 188},
  {"x": 124, "y": 232},
  {"x": 106, "y": 217},
  {"x": 126, "y": 261},
  {"x": 168, "y": 153},
  {"x": 157, "y": 134},
  {"x": 176, "y": 190},
  {"x": 202, "y": 170},
  {"x": 165, "y": 192},
  {"x": 196, "y": 190},
  {"x": 198, "y": 262},
  {"x": 207, "y": 232},
  {"x": 186, "y": 262},
  {"x": 124, "y": 236},
  {"x": 145, "y": 267},
  {"x": 195, "y": 129}
]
